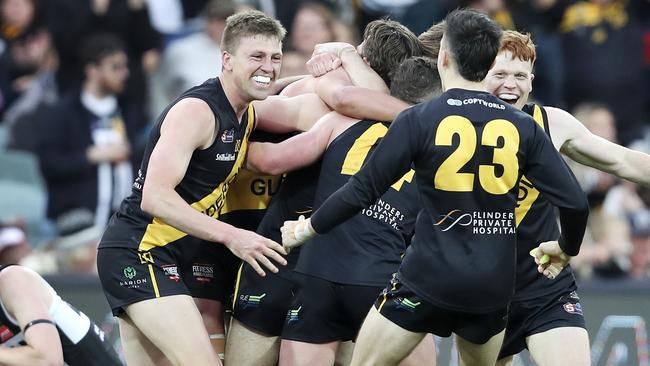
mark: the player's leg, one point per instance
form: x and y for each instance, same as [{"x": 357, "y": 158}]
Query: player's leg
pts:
[
  {"x": 175, "y": 326},
  {"x": 382, "y": 342},
  {"x": 259, "y": 309},
  {"x": 303, "y": 353},
  {"x": 476, "y": 354},
  {"x": 248, "y": 347},
  {"x": 315, "y": 323},
  {"x": 344, "y": 354},
  {"x": 479, "y": 337},
  {"x": 423, "y": 355},
  {"x": 138, "y": 349},
  {"x": 212, "y": 314},
  {"x": 560, "y": 346}
]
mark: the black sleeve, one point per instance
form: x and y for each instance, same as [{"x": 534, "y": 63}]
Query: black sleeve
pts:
[
  {"x": 388, "y": 163},
  {"x": 549, "y": 173}
]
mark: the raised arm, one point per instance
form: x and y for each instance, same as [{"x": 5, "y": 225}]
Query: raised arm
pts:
[
  {"x": 182, "y": 132},
  {"x": 26, "y": 298},
  {"x": 296, "y": 152},
  {"x": 582, "y": 146}
]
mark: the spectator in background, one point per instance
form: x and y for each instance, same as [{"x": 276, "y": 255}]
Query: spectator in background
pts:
[
  {"x": 85, "y": 154},
  {"x": 313, "y": 24},
  {"x": 606, "y": 246},
  {"x": 191, "y": 60},
  {"x": 604, "y": 63},
  {"x": 72, "y": 20}
]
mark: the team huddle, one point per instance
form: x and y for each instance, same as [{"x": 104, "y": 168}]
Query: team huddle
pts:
[{"x": 395, "y": 194}]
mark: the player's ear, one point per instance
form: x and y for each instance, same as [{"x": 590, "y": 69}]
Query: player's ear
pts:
[
  {"x": 226, "y": 60},
  {"x": 366, "y": 61},
  {"x": 532, "y": 77}
]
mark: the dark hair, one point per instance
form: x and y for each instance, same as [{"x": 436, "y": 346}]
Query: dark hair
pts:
[
  {"x": 473, "y": 40},
  {"x": 98, "y": 46},
  {"x": 430, "y": 40},
  {"x": 247, "y": 24},
  {"x": 416, "y": 80},
  {"x": 386, "y": 44}
]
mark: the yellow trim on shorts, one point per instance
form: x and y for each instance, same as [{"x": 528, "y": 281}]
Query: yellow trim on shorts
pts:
[
  {"x": 153, "y": 281},
  {"x": 382, "y": 302},
  {"x": 234, "y": 298}
]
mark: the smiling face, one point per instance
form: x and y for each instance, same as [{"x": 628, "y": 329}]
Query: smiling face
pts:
[
  {"x": 254, "y": 66},
  {"x": 510, "y": 79}
]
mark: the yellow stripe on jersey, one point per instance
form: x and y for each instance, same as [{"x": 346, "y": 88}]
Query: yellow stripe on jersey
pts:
[
  {"x": 527, "y": 193},
  {"x": 153, "y": 280},
  {"x": 361, "y": 147},
  {"x": 236, "y": 293},
  {"x": 158, "y": 233},
  {"x": 250, "y": 191}
]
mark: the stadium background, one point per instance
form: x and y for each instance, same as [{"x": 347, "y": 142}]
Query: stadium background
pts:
[{"x": 593, "y": 60}]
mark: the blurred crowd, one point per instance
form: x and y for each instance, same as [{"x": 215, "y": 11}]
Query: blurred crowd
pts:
[{"x": 82, "y": 81}]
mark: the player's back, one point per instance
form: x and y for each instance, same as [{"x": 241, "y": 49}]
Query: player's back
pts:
[
  {"x": 366, "y": 249},
  {"x": 470, "y": 150}
]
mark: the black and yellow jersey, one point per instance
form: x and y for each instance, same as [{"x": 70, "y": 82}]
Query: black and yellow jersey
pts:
[
  {"x": 250, "y": 193},
  {"x": 536, "y": 223},
  {"x": 295, "y": 198},
  {"x": 366, "y": 249},
  {"x": 468, "y": 149},
  {"x": 208, "y": 177}
]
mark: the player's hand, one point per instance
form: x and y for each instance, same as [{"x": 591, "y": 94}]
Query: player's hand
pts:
[
  {"x": 550, "y": 258},
  {"x": 322, "y": 63},
  {"x": 296, "y": 233},
  {"x": 255, "y": 249},
  {"x": 335, "y": 48}
]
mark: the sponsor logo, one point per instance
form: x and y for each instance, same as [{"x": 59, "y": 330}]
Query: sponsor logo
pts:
[
  {"x": 455, "y": 102},
  {"x": 237, "y": 145},
  {"x": 5, "y": 334},
  {"x": 406, "y": 304},
  {"x": 293, "y": 315},
  {"x": 145, "y": 257},
  {"x": 481, "y": 222},
  {"x": 203, "y": 272},
  {"x": 225, "y": 157},
  {"x": 251, "y": 301},
  {"x": 171, "y": 271},
  {"x": 129, "y": 272},
  {"x": 132, "y": 282},
  {"x": 228, "y": 136},
  {"x": 385, "y": 212},
  {"x": 573, "y": 308}
]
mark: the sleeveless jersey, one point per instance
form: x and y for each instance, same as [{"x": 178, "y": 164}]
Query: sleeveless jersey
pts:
[
  {"x": 209, "y": 175},
  {"x": 536, "y": 223},
  {"x": 366, "y": 249}
]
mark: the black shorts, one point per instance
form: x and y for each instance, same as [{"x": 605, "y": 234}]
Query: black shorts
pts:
[
  {"x": 529, "y": 317},
  {"x": 403, "y": 307},
  {"x": 261, "y": 303},
  {"x": 324, "y": 311},
  {"x": 195, "y": 268}
]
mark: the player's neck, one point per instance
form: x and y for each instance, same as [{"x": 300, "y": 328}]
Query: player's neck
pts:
[
  {"x": 458, "y": 82},
  {"x": 238, "y": 103}
]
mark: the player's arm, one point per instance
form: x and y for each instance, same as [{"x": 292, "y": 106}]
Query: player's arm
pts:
[
  {"x": 182, "y": 132},
  {"x": 579, "y": 144},
  {"x": 27, "y": 299},
  {"x": 339, "y": 94},
  {"x": 293, "y": 153},
  {"x": 329, "y": 56},
  {"x": 388, "y": 163},
  {"x": 281, "y": 114},
  {"x": 550, "y": 174},
  {"x": 282, "y": 83}
]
